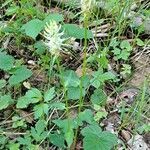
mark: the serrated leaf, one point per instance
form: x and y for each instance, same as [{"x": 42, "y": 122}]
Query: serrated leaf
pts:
[
  {"x": 54, "y": 16},
  {"x": 86, "y": 116},
  {"x": 33, "y": 28},
  {"x": 125, "y": 45},
  {"x": 49, "y": 94},
  {"x": 22, "y": 102},
  {"x": 6, "y": 61},
  {"x": 95, "y": 139},
  {"x": 70, "y": 78},
  {"x": 91, "y": 129},
  {"x": 57, "y": 139},
  {"x": 75, "y": 31},
  {"x": 40, "y": 126},
  {"x": 74, "y": 93},
  {"x": 99, "y": 97},
  {"x": 58, "y": 106},
  {"x": 40, "y": 110},
  {"x": 65, "y": 124},
  {"x": 100, "y": 78},
  {"x": 34, "y": 95},
  {"x": 21, "y": 74},
  {"x": 5, "y": 101},
  {"x": 25, "y": 141}
]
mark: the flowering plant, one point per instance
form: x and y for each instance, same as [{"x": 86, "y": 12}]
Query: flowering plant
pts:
[{"x": 54, "y": 38}]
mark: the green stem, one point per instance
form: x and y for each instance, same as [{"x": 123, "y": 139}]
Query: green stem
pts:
[{"x": 83, "y": 73}]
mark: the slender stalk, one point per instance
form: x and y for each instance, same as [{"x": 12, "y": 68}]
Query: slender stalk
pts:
[{"x": 83, "y": 73}]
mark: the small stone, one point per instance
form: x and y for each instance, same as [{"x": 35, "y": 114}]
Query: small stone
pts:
[{"x": 31, "y": 62}]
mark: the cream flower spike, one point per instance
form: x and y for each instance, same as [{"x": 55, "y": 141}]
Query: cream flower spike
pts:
[
  {"x": 54, "y": 40},
  {"x": 87, "y": 6}
]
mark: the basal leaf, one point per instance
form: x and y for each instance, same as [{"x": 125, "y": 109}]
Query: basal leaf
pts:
[
  {"x": 6, "y": 61},
  {"x": 33, "y": 28},
  {"x": 34, "y": 95},
  {"x": 95, "y": 139},
  {"x": 54, "y": 16},
  {"x": 70, "y": 78},
  {"x": 74, "y": 93},
  {"x": 23, "y": 102},
  {"x": 57, "y": 139},
  {"x": 21, "y": 74},
  {"x": 5, "y": 101},
  {"x": 99, "y": 97},
  {"x": 75, "y": 31},
  {"x": 86, "y": 116}
]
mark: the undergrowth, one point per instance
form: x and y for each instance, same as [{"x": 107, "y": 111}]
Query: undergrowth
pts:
[{"x": 62, "y": 67}]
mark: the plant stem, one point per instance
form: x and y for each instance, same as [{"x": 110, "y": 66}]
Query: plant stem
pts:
[{"x": 83, "y": 74}]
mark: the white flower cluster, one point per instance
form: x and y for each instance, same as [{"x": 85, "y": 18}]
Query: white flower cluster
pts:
[
  {"x": 54, "y": 39},
  {"x": 87, "y": 6}
]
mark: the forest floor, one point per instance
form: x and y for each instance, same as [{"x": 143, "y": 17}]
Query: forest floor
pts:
[{"x": 74, "y": 75}]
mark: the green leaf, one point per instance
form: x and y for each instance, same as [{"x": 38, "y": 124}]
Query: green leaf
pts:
[
  {"x": 86, "y": 116},
  {"x": 100, "y": 78},
  {"x": 58, "y": 106},
  {"x": 40, "y": 110},
  {"x": 91, "y": 129},
  {"x": 49, "y": 94},
  {"x": 75, "y": 31},
  {"x": 99, "y": 115},
  {"x": 99, "y": 97},
  {"x": 57, "y": 139},
  {"x": 124, "y": 55},
  {"x": 114, "y": 43},
  {"x": 23, "y": 102},
  {"x": 54, "y": 16},
  {"x": 40, "y": 126},
  {"x": 39, "y": 133},
  {"x": 13, "y": 146},
  {"x": 85, "y": 81},
  {"x": 21, "y": 74},
  {"x": 12, "y": 10},
  {"x": 69, "y": 136},
  {"x": 25, "y": 141},
  {"x": 139, "y": 42},
  {"x": 116, "y": 51},
  {"x": 33, "y": 28},
  {"x": 40, "y": 47},
  {"x": 95, "y": 139},
  {"x": 34, "y": 95},
  {"x": 18, "y": 122},
  {"x": 125, "y": 45},
  {"x": 70, "y": 78},
  {"x": 6, "y": 61},
  {"x": 74, "y": 93},
  {"x": 5, "y": 101},
  {"x": 2, "y": 83},
  {"x": 3, "y": 141},
  {"x": 67, "y": 125}
]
